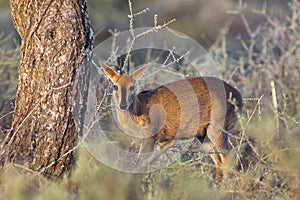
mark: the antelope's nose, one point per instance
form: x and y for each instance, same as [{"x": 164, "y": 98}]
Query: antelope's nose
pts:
[{"x": 123, "y": 106}]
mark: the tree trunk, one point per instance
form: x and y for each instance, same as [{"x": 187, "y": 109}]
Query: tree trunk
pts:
[{"x": 56, "y": 41}]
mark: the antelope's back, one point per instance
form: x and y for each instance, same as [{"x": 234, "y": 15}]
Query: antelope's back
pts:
[{"x": 188, "y": 105}]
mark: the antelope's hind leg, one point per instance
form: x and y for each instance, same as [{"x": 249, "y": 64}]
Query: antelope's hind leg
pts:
[{"x": 219, "y": 151}]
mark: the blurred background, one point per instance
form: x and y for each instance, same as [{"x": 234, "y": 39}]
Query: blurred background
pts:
[{"x": 200, "y": 19}]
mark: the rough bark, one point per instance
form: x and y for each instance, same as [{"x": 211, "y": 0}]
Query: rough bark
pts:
[{"x": 56, "y": 41}]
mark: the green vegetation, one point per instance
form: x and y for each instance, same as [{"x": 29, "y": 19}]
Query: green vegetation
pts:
[{"x": 264, "y": 63}]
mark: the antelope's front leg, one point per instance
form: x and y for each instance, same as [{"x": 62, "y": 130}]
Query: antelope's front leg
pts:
[{"x": 155, "y": 154}]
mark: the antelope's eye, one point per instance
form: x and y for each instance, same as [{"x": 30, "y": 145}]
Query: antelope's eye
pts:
[
  {"x": 115, "y": 87},
  {"x": 131, "y": 88}
]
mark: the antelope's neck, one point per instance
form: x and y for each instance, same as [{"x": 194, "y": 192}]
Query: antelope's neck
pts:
[{"x": 123, "y": 116}]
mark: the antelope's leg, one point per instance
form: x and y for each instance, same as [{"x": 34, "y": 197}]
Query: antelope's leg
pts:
[
  {"x": 156, "y": 154},
  {"x": 216, "y": 157},
  {"x": 220, "y": 143}
]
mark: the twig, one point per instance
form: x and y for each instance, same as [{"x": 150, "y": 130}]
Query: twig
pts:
[
  {"x": 130, "y": 16},
  {"x": 257, "y": 106},
  {"x": 275, "y": 106}
]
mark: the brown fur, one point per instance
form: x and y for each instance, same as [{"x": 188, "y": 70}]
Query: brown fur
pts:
[{"x": 193, "y": 107}]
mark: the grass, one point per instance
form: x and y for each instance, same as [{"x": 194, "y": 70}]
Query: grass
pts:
[{"x": 274, "y": 176}]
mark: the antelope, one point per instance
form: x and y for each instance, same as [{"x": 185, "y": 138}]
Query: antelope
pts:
[{"x": 201, "y": 107}]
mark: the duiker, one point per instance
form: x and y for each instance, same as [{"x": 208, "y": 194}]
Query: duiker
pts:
[{"x": 202, "y": 107}]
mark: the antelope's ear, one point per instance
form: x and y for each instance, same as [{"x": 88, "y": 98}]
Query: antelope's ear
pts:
[
  {"x": 109, "y": 72},
  {"x": 139, "y": 72}
]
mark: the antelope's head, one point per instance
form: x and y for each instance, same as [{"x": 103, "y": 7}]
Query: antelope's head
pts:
[{"x": 124, "y": 85}]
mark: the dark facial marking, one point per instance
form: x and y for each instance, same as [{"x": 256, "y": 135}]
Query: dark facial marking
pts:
[{"x": 123, "y": 96}]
